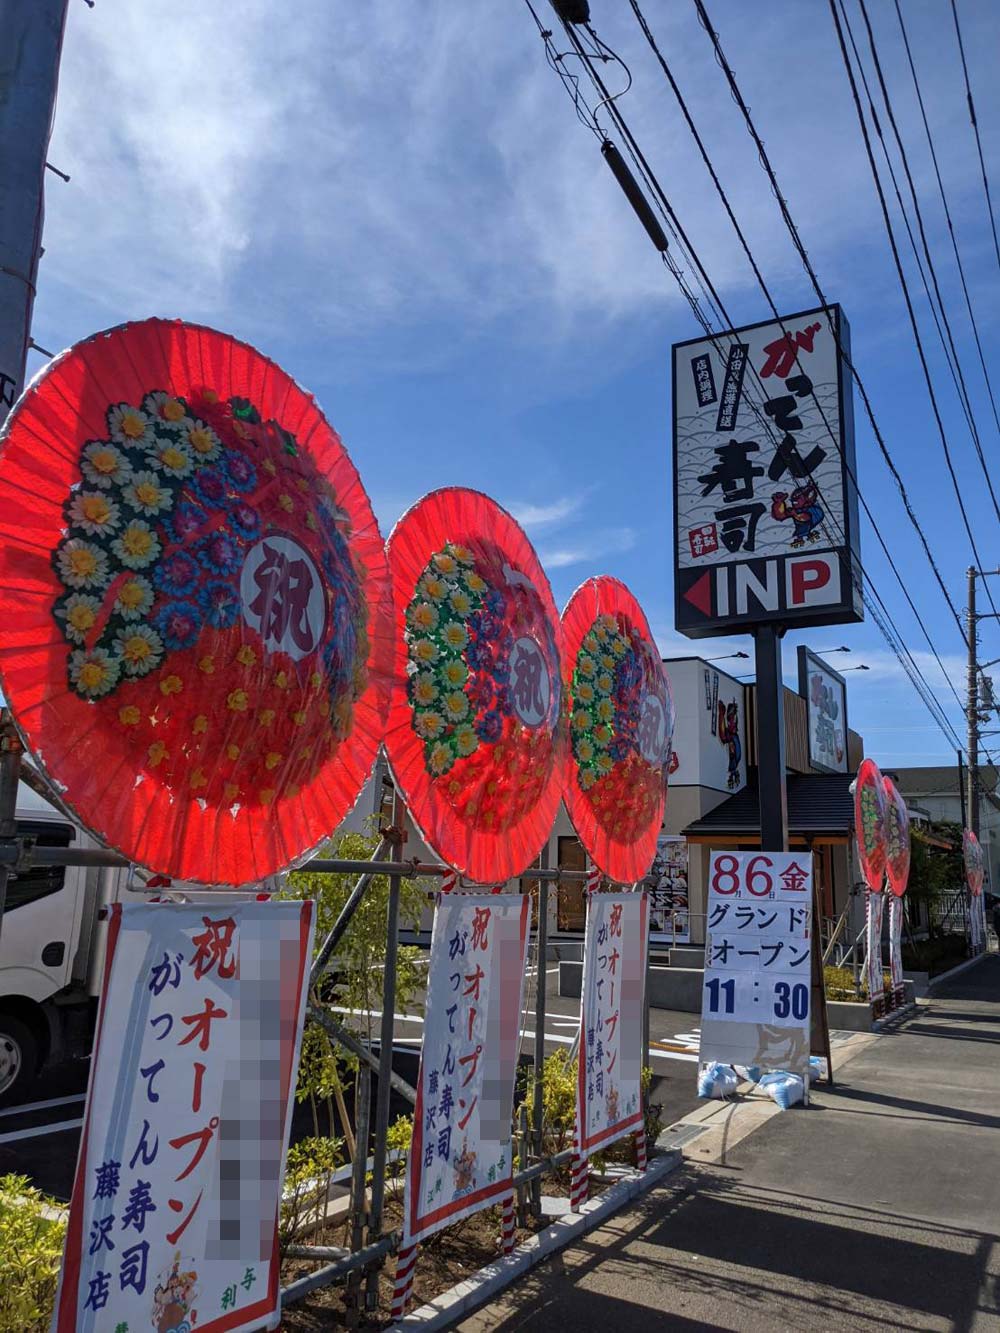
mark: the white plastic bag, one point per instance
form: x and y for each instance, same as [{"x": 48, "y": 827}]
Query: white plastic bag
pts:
[
  {"x": 717, "y": 1080},
  {"x": 785, "y": 1089}
]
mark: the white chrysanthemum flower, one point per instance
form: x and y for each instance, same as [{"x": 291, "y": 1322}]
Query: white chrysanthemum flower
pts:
[
  {"x": 95, "y": 673},
  {"x": 441, "y": 759},
  {"x": 460, "y": 603},
  {"x": 205, "y": 444},
  {"x": 455, "y": 635},
  {"x": 94, "y": 513},
  {"x": 433, "y": 587},
  {"x": 425, "y": 689},
  {"x": 172, "y": 457},
  {"x": 428, "y": 724},
  {"x": 424, "y": 651},
  {"x": 461, "y": 553},
  {"x": 604, "y": 763},
  {"x": 605, "y": 682},
  {"x": 445, "y": 563},
  {"x": 456, "y": 705},
  {"x": 104, "y": 465},
  {"x": 423, "y": 616},
  {"x": 586, "y": 665},
  {"x": 605, "y": 710},
  {"x": 140, "y": 649},
  {"x": 474, "y": 582},
  {"x": 135, "y": 598},
  {"x": 147, "y": 493},
  {"x": 79, "y": 613},
  {"x": 130, "y": 426},
  {"x": 587, "y": 778},
  {"x": 466, "y": 740},
  {"x": 82, "y": 564},
  {"x": 167, "y": 410},
  {"x": 138, "y": 545},
  {"x": 455, "y": 673}
]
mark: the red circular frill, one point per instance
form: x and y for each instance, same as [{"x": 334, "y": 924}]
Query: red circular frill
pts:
[
  {"x": 618, "y": 818},
  {"x": 897, "y": 843},
  {"x": 232, "y": 758},
  {"x": 489, "y": 813},
  {"x": 870, "y": 840}
]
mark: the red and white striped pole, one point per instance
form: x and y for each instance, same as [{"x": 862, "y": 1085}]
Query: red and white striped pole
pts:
[
  {"x": 449, "y": 880},
  {"x": 594, "y": 878},
  {"x": 406, "y": 1261},
  {"x": 579, "y": 1182},
  {"x": 640, "y": 1149},
  {"x": 507, "y": 1231}
]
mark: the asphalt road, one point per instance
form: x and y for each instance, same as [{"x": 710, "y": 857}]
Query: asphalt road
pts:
[
  {"x": 40, "y": 1137},
  {"x": 876, "y": 1208}
]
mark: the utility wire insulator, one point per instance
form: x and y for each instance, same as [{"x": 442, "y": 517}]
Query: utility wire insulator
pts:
[{"x": 635, "y": 196}]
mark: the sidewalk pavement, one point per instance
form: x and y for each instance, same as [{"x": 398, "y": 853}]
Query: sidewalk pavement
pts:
[{"x": 876, "y": 1207}]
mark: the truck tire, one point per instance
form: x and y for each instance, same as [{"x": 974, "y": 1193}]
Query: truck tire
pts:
[{"x": 18, "y": 1059}]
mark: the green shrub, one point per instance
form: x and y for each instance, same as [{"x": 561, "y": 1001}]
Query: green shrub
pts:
[
  {"x": 32, "y": 1234},
  {"x": 311, "y": 1163}
]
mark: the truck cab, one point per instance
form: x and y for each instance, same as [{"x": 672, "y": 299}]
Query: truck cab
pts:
[{"x": 52, "y": 939}]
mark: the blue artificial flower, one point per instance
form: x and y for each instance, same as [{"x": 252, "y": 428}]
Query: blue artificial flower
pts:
[
  {"x": 494, "y": 601},
  {"x": 244, "y": 519},
  {"x": 241, "y": 472},
  {"x": 221, "y": 602},
  {"x": 186, "y": 521},
  {"x": 211, "y": 485},
  {"x": 220, "y": 552},
  {"x": 178, "y": 623},
  {"x": 177, "y": 574},
  {"x": 489, "y": 726},
  {"x": 619, "y": 749}
]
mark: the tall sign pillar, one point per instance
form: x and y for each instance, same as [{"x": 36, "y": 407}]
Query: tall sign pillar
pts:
[{"x": 772, "y": 787}]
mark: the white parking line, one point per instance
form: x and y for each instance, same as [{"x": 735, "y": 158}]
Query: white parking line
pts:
[
  {"x": 39, "y": 1130},
  {"x": 44, "y": 1106}
]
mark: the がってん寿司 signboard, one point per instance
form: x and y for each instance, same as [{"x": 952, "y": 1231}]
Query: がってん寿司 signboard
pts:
[
  {"x": 765, "y": 507},
  {"x": 825, "y": 693}
]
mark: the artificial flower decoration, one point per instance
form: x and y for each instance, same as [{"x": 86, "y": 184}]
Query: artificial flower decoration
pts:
[
  {"x": 869, "y": 823},
  {"x": 476, "y": 735},
  {"x": 193, "y": 602},
  {"x": 621, "y": 723},
  {"x": 897, "y": 838}
]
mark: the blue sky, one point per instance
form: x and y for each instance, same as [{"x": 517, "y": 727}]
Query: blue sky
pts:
[{"x": 397, "y": 202}]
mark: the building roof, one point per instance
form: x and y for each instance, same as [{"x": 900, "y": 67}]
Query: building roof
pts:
[
  {"x": 818, "y": 804},
  {"x": 938, "y": 780}
]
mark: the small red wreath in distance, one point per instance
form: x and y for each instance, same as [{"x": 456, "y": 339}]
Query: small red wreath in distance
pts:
[
  {"x": 193, "y": 602},
  {"x": 621, "y": 728},
  {"x": 897, "y": 838}
]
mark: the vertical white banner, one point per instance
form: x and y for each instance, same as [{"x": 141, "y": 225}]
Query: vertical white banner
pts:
[
  {"x": 609, "y": 1079},
  {"x": 876, "y": 981},
  {"x": 896, "y": 944},
  {"x": 173, "y": 1222},
  {"x": 460, "y": 1154}
]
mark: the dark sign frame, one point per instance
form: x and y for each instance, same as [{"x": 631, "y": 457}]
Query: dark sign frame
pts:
[
  {"x": 805, "y": 657},
  {"x": 705, "y": 600}
]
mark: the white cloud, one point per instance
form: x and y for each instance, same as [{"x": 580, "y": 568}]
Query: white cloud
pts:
[
  {"x": 546, "y": 515},
  {"x": 597, "y": 547}
]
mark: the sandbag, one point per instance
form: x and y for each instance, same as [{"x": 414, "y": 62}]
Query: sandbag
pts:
[{"x": 717, "y": 1080}]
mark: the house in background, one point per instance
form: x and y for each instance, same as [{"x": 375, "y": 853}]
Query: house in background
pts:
[{"x": 936, "y": 791}]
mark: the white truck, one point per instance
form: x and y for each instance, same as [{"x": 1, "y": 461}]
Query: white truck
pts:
[{"x": 52, "y": 942}]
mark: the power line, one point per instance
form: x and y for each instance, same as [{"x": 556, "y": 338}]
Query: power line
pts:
[
  {"x": 956, "y": 368},
  {"x": 807, "y": 264},
  {"x": 902, "y": 280},
  {"x": 651, "y": 40},
  {"x": 894, "y": 640},
  {"x": 975, "y": 128},
  {"x": 947, "y": 214}
]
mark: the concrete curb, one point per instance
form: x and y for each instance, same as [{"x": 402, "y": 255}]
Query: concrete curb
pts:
[
  {"x": 446, "y": 1310},
  {"x": 907, "y": 1011},
  {"x": 954, "y": 971}
]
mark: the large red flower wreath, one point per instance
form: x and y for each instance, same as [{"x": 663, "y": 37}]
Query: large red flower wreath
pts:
[
  {"x": 621, "y": 723},
  {"x": 869, "y": 823},
  {"x": 476, "y": 734},
  {"x": 193, "y": 602}
]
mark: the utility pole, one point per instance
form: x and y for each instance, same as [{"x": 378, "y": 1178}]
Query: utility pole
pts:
[
  {"x": 972, "y": 708},
  {"x": 29, "y": 70}
]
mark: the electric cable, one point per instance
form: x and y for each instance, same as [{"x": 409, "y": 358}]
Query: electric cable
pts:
[
  {"x": 923, "y": 689},
  {"x": 975, "y": 129}
]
